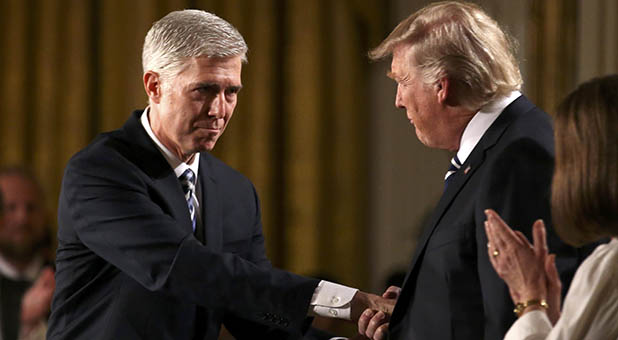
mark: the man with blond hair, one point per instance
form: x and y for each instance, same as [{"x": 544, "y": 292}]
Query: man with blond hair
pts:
[
  {"x": 459, "y": 82},
  {"x": 157, "y": 238}
]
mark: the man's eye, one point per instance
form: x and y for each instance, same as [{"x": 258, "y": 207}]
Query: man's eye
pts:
[
  {"x": 232, "y": 91},
  {"x": 208, "y": 89}
]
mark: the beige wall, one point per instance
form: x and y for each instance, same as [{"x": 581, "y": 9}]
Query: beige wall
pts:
[{"x": 597, "y": 36}]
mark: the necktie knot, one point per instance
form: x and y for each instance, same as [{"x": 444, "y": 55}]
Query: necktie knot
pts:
[
  {"x": 187, "y": 181},
  {"x": 455, "y": 165}
]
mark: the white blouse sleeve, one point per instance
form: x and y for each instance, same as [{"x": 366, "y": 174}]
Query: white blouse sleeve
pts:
[
  {"x": 533, "y": 325},
  {"x": 590, "y": 310}
]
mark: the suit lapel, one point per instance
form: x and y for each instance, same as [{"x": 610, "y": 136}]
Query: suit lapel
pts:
[
  {"x": 149, "y": 159},
  {"x": 169, "y": 188},
  {"x": 211, "y": 207},
  {"x": 461, "y": 177}
]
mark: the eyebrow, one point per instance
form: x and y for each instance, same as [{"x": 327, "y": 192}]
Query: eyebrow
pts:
[
  {"x": 395, "y": 77},
  {"x": 235, "y": 88}
]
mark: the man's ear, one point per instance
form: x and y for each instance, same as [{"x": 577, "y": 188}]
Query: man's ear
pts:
[
  {"x": 152, "y": 85},
  {"x": 443, "y": 90}
]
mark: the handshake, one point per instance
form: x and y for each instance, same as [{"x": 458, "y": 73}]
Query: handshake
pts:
[{"x": 372, "y": 313}]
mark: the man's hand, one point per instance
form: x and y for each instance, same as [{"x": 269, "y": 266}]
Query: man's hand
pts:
[
  {"x": 35, "y": 304},
  {"x": 362, "y": 301},
  {"x": 374, "y": 323}
]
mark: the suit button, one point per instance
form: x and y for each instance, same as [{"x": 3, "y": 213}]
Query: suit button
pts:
[
  {"x": 335, "y": 300},
  {"x": 333, "y": 312}
]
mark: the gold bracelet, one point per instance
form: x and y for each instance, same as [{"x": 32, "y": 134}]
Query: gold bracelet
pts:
[{"x": 521, "y": 306}]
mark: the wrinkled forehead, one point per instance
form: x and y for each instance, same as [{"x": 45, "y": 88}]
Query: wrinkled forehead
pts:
[{"x": 401, "y": 64}]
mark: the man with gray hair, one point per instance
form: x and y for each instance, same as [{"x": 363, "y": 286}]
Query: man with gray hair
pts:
[
  {"x": 459, "y": 82},
  {"x": 157, "y": 238}
]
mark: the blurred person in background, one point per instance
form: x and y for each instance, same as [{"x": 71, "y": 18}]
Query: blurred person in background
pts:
[{"x": 26, "y": 279}]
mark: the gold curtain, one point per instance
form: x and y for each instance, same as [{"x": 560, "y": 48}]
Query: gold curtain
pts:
[
  {"x": 552, "y": 51},
  {"x": 71, "y": 69}
]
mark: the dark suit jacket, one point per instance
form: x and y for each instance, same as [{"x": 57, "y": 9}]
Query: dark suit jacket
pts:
[
  {"x": 11, "y": 294},
  {"x": 451, "y": 290},
  {"x": 129, "y": 266}
]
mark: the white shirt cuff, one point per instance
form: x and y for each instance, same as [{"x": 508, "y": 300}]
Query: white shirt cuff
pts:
[
  {"x": 332, "y": 300},
  {"x": 532, "y": 325}
]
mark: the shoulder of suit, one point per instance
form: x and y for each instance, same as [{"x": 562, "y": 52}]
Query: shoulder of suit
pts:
[
  {"x": 221, "y": 170},
  {"x": 534, "y": 123}
]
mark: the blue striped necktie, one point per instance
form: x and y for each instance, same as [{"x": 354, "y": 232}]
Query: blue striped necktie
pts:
[
  {"x": 455, "y": 165},
  {"x": 187, "y": 180}
]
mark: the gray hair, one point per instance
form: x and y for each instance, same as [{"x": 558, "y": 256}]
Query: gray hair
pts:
[
  {"x": 461, "y": 42},
  {"x": 181, "y": 35}
]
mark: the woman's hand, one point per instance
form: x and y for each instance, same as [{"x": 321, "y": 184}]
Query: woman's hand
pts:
[
  {"x": 520, "y": 264},
  {"x": 554, "y": 288}
]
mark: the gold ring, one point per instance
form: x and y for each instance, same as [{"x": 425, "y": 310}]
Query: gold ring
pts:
[{"x": 495, "y": 253}]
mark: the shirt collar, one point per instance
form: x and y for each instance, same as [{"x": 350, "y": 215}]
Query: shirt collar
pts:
[
  {"x": 30, "y": 273},
  {"x": 481, "y": 121},
  {"x": 176, "y": 164}
]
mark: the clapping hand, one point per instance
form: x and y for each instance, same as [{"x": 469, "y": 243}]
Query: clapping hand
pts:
[
  {"x": 527, "y": 269},
  {"x": 35, "y": 304}
]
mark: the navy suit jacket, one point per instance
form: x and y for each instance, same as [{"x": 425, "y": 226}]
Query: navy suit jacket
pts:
[
  {"x": 128, "y": 263},
  {"x": 451, "y": 290}
]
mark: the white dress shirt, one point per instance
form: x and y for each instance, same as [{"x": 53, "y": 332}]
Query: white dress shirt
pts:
[
  {"x": 481, "y": 121},
  {"x": 590, "y": 310},
  {"x": 30, "y": 273},
  {"x": 176, "y": 164},
  {"x": 329, "y": 299}
]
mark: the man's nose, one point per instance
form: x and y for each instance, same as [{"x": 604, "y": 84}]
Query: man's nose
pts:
[
  {"x": 217, "y": 106},
  {"x": 398, "y": 101},
  {"x": 21, "y": 214}
]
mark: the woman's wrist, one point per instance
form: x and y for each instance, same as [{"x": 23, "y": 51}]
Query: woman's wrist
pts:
[{"x": 529, "y": 305}]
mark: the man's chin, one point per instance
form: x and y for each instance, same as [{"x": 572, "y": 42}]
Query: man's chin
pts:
[
  {"x": 18, "y": 251},
  {"x": 206, "y": 146},
  {"x": 421, "y": 138}
]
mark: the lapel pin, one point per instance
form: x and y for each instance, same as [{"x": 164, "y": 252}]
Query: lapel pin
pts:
[{"x": 466, "y": 170}]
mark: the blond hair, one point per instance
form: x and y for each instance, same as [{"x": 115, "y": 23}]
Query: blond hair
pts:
[{"x": 461, "y": 42}]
